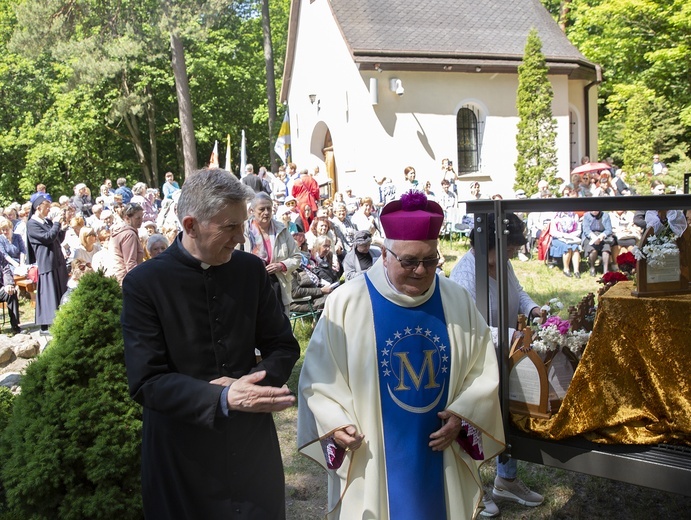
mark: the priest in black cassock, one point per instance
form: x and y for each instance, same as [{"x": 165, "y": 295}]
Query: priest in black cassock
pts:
[{"x": 191, "y": 320}]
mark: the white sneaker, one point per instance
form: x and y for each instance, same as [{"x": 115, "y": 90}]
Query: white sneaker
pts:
[
  {"x": 491, "y": 510},
  {"x": 516, "y": 491},
  {"x": 522, "y": 257}
]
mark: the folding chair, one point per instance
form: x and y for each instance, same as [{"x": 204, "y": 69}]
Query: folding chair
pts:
[{"x": 301, "y": 315}]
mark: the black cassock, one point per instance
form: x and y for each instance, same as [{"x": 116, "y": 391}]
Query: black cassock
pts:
[
  {"x": 184, "y": 326},
  {"x": 45, "y": 250}
]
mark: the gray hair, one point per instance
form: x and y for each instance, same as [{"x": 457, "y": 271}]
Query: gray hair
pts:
[
  {"x": 319, "y": 241},
  {"x": 206, "y": 192},
  {"x": 339, "y": 205},
  {"x": 155, "y": 239},
  {"x": 139, "y": 188},
  {"x": 259, "y": 198},
  {"x": 389, "y": 243}
]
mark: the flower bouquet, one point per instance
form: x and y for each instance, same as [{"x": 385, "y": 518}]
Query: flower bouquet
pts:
[
  {"x": 626, "y": 263},
  {"x": 556, "y": 334},
  {"x": 543, "y": 361},
  {"x": 657, "y": 248}
]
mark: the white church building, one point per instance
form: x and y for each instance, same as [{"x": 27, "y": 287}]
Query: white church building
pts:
[{"x": 375, "y": 86}]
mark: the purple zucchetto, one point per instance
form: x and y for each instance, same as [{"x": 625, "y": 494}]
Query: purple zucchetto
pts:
[{"x": 413, "y": 217}]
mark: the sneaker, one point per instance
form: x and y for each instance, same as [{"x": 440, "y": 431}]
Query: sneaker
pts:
[
  {"x": 491, "y": 510},
  {"x": 516, "y": 491},
  {"x": 522, "y": 257}
]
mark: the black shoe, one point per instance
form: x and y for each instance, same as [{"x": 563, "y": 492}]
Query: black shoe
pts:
[
  {"x": 567, "y": 274},
  {"x": 17, "y": 330},
  {"x": 577, "y": 274},
  {"x": 45, "y": 333},
  {"x": 592, "y": 272}
]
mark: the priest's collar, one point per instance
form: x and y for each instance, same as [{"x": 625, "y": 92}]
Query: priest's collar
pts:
[{"x": 185, "y": 253}]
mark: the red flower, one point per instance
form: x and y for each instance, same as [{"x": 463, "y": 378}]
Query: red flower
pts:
[
  {"x": 613, "y": 277},
  {"x": 626, "y": 259}
]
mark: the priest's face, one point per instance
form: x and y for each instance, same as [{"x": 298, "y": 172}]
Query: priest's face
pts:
[
  {"x": 213, "y": 242},
  {"x": 415, "y": 281}
]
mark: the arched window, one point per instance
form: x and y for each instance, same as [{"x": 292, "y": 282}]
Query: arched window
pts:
[{"x": 468, "y": 143}]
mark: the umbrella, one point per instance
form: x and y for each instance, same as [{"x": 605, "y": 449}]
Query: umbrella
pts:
[{"x": 591, "y": 167}]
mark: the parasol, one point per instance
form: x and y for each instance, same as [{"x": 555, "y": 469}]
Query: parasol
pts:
[{"x": 591, "y": 167}]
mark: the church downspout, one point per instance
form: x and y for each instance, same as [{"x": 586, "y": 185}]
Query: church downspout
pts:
[{"x": 586, "y": 94}]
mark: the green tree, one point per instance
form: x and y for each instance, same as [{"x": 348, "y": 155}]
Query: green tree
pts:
[
  {"x": 536, "y": 136},
  {"x": 89, "y": 92},
  {"x": 71, "y": 446},
  {"x": 642, "y": 45}
]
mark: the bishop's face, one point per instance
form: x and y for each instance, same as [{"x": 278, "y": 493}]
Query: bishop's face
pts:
[{"x": 415, "y": 281}]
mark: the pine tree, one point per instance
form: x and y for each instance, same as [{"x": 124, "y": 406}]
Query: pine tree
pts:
[
  {"x": 536, "y": 136},
  {"x": 71, "y": 446}
]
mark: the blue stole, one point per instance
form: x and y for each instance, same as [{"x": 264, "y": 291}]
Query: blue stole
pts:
[{"x": 413, "y": 363}]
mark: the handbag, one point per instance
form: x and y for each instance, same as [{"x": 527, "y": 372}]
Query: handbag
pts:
[{"x": 32, "y": 274}]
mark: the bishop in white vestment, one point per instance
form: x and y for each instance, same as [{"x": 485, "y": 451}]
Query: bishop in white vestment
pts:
[{"x": 398, "y": 392}]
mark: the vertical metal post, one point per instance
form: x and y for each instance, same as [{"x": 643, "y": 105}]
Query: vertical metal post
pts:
[{"x": 502, "y": 259}]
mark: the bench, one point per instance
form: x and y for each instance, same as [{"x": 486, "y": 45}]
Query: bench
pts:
[{"x": 28, "y": 287}]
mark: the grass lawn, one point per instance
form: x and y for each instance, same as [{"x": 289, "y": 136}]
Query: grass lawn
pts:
[{"x": 568, "y": 495}]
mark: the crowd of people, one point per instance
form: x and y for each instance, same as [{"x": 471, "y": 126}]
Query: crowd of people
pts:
[
  {"x": 123, "y": 226},
  {"x": 566, "y": 237},
  {"x": 294, "y": 244},
  {"x": 48, "y": 240}
]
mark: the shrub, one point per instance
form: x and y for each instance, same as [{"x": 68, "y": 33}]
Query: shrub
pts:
[
  {"x": 6, "y": 398},
  {"x": 71, "y": 446}
]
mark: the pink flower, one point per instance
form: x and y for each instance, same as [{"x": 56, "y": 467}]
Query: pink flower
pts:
[{"x": 561, "y": 324}]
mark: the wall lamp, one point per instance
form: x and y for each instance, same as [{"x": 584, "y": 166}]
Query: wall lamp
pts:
[{"x": 396, "y": 86}]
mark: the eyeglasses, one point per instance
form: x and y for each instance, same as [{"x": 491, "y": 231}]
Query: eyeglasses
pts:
[{"x": 410, "y": 264}]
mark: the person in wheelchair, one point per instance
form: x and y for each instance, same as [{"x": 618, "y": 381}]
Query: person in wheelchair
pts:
[{"x": 307, "y": 291}]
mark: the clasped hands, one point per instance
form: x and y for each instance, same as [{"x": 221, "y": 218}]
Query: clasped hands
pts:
[
  {"x": 349, "y": 439},
  {"x": 246, "y": 395},
  {"x": 275, "y": 267}
]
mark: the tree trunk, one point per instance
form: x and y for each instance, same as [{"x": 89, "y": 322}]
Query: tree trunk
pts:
[
  {"x": 153, "y": 146},
  {"x": 564, "y": 13},
  {"x": 133, "y": 127},
  {"x": 182, "y": 91},
  {"x": 270, "y": 81}
]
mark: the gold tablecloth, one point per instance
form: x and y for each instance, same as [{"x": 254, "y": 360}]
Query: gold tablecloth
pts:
[{"x": 633, "y": 384}]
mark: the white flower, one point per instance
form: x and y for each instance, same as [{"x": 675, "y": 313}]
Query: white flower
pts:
[
  {"x": 657, "y": 248},
  {"x": 577, "y": 340}
]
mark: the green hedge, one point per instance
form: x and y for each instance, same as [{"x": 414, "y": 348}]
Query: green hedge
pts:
[{"x": 71, "y": 448}]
